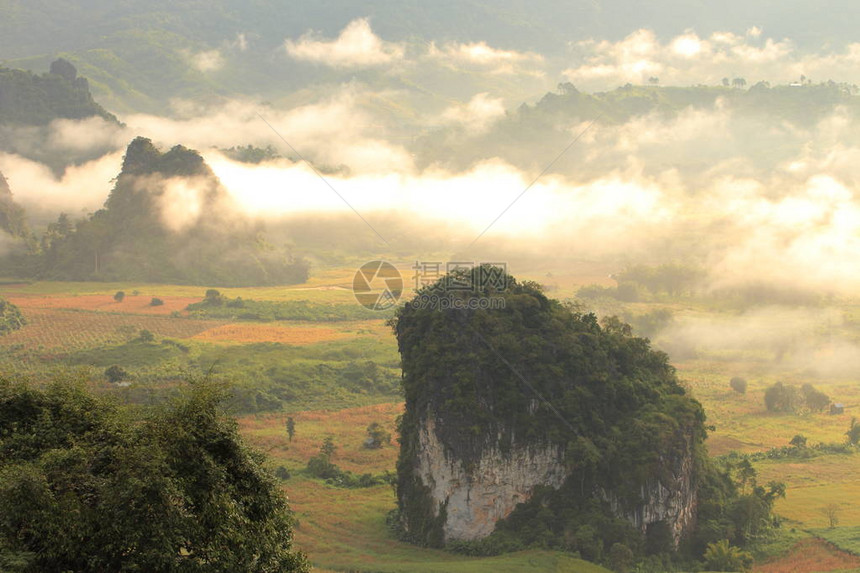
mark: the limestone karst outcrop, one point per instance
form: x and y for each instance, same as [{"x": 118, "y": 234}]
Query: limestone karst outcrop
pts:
[{"x": 534, "y": 398}]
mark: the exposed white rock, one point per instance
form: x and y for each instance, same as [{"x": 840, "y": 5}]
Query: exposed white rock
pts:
[{"x": 478, "y": 496}]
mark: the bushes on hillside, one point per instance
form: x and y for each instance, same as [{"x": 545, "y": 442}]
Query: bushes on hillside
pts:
[
  {"x": 115, "y": 374},
  {"x": 786, "y": 398},
  {"x": 377, "y": 436},
  {"x": 320, "y": 466}
]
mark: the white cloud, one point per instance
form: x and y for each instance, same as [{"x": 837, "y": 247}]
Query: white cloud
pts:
[
  {"x": 808, "y": 237},
  {"x": 477, "y": 115},
  {"x": 180, "y": 200},
  {"x": 334, "y": 132},
  {"x": 482, "y": 57},
  {"x": 81, "y": 187},
  {"x": 84, "y": 135},
  {"x": 687, "y": 46},
  {"x": 207, "y": 61},
  {"x": 240, "y": 43},
  {"x": 356, "y": 47},
  {"x": 689, "y": 59},
  {"x": 609, "y": 210}
]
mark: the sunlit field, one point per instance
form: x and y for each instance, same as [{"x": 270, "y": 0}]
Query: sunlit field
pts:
[{"x": 345, "y": 529}]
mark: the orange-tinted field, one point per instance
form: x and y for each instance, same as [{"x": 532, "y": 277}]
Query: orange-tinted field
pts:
[
  {"x": 70, "y": 330},
  {"x": 346, "y": 427},
  {"x": 809, "y": 556},
  {"x": 245, "y": 333},
  {"x": 133, "y": 304}
]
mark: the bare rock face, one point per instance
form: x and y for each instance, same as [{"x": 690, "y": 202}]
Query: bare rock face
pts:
[
  {"x": 477, "y": 495},
  {"x": 472, "y": 497},
  {"x": 671, "y": 498}
]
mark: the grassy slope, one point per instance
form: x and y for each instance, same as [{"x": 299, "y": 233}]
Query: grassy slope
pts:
[
  {"x": 846, "y": 538},
  {"x": 544, "y": 561}
]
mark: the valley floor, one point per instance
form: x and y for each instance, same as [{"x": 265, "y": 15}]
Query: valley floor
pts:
[{"x": 336, "y": 376}]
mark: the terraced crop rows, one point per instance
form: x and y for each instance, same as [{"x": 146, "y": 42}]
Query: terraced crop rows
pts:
[{"x": 70, "y": 330}]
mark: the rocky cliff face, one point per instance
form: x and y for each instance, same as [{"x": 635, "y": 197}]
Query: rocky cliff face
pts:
[
  {"x": 670, "y": 498},
  {"x": 475, "y": 495}
]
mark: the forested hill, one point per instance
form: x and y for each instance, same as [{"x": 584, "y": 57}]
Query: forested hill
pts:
[
  {"x": 12, "y": 220},
  {"x": 806, "y": 103},
  {"x": 167, "y": 219},
  {"x": 767, "y": 122},
  {"x": 139, "y": 55},
  {"x": 38, "y": 26},
  {"x": 30, "y": 99}
]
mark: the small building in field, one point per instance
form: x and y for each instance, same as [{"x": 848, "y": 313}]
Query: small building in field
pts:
[{"x": 836, "y": 409}]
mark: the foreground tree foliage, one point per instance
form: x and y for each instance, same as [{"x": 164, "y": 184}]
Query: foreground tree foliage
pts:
[{"x": 85, "y": 486}]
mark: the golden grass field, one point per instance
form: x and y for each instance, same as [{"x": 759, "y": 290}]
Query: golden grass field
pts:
[
  {"x": 347, "y": 427},
  {"x": 245, "y": 333},
  {"x": 815, "y": 483},
  {"x": 742, "y": 422},
  {"x": 131, "y": 304}
]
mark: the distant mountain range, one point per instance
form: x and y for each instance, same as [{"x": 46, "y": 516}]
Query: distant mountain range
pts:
[
  {"x": 139, "y": 55},
  {"x": 763, "y": 124},
  {"x": 37, "y": 27}
]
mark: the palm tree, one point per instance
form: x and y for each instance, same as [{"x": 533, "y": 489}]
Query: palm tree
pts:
[{"x": 721, "y": 556}]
